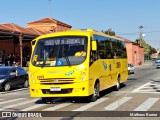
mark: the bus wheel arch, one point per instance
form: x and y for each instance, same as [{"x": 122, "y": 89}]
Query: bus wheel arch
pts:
[{"x": 96, "y": 91}]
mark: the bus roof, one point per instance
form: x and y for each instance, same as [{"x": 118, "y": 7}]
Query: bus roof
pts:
[{"x": 78, "y": 32}]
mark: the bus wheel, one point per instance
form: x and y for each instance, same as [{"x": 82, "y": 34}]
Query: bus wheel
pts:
[
  {"x": 95, "y": 95},
  {"x": 129, "y": 72},
  {"x": 118, "y": 84},
  {"x": 47, "y": 100}
]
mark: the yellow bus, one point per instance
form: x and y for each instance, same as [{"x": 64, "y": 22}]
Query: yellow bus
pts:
[{"x": 76, "y": 63}]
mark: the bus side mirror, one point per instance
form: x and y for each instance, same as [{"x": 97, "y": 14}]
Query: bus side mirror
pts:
[
  {"x": 94, "y": 45},
  {"x": 33, "y": 42}
]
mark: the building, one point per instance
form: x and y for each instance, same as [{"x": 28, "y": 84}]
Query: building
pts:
[
  {"x": 49, "y": 25},
  {"x": 135, "y": 52},
  {"x": 16, "y": 40}
]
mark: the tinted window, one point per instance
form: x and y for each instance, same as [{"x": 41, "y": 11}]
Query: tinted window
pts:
[
  {"x": 110, "y": 48},
  {"x": 21, "y": 71},
  {"x": 104, "y": 47}
]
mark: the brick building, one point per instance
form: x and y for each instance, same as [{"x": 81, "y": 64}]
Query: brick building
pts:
[{"x": 49, "y": 25}]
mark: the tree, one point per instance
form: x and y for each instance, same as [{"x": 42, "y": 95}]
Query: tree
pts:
[
  {"x": 147, "y": 48},
  {"x": 109, "y": 32},
  {"x": 153, "y": 50}
]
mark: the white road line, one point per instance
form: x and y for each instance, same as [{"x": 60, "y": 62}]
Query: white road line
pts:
[
  {"x": 118, "y": 103},
  {"x": 8, "y": 101},
  {"x": 149, "y": 92},
  {"x": 33, "y": 107},
  {"x": 147, "y": 104},
  {"x": 57, "y": 107},
  {"x": 141, "y": 87},
  {"x": 89, "y": 105},
  {"x": 15, "y": 105},
  {"x": 157, "y": 78}
]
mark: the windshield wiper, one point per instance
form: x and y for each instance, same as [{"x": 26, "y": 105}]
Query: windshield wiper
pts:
[
  {"x": 67, "y": 59},
  {"x": 44, "y": 61}
]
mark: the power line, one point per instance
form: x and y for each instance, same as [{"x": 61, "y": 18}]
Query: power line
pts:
[{"x": 136, "y": 33}]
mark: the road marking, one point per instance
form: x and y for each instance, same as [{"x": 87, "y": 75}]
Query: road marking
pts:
[
  {"x": 149, "y": 92},
  {"x": 141, "y": 87},
  {"x": 15, "y": 105},
  {"x": 12, "y": 100},
  {"x": 157, "y": 78},
  {"x": 147, "y": 104},
  {"x": 90, "y": 104},
  {"x": 33, "y": 107},
  {"x": 118, "y": 103},
  {"x": 57, "y": 107}
]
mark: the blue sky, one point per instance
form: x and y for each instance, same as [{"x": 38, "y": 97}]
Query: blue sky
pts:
[{"x": 122, "y": 16}]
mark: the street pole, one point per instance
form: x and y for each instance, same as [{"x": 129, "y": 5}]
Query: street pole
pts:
[
  {"x": 49, "y": 8},
  {"x": 140, "y": 35}
]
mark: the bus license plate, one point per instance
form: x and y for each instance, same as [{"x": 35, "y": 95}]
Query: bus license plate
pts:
[{"x": 55, "y": 89}]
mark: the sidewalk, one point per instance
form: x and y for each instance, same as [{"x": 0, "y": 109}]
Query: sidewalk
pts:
[{"x": 145, "y": 64}]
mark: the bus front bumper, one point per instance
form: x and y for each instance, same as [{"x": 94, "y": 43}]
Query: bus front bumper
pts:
[{"x": 80, "y": 89}]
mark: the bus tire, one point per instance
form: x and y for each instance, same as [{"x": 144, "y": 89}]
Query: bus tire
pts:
[
  {"x": 96, "y": 94},
  {"x": 118, "y": 84},
  {"x": 129, "y": 72},
  {"x": 47, "y": 99}
]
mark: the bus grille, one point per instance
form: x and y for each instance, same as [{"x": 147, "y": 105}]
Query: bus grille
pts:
[
  {"x": 56, "y": 81},
  {"x": 63, "y": 91}
]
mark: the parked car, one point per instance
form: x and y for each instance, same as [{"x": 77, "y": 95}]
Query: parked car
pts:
[
  {"x": 1, "y": 65},
  {"x": 11, "y": 77},
  {"x": 131, "y": 69},
  {"x": 158, "y": 64}
]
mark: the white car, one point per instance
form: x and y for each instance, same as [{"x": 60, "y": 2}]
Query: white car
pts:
[
  {"x": 158, "y": 64},
  {"x": 131, "y": 69}
]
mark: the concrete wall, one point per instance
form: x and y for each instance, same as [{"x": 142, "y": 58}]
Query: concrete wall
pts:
[
  {"x": 129, "y": 52},
  {"x": 135, "y": 53}
]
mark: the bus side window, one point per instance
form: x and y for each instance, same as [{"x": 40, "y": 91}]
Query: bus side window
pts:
[
  {"x": 101, "y": 54},
  {"x": 93, "y": 56},
  {"x": 109, "y": 54}
]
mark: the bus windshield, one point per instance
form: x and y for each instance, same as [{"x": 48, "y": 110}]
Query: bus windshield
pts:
[{"x": 60, "y": 51}]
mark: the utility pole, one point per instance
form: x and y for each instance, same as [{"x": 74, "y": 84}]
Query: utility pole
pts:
[
  {"x": 140, "y": 35},
  {"x": 49, "y": 8}
]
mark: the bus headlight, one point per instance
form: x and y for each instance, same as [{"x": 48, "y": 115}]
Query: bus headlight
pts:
[{"x": 83, "y": 77}]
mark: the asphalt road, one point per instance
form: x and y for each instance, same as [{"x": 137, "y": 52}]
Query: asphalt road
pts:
[{"x": 140, "y": 93}]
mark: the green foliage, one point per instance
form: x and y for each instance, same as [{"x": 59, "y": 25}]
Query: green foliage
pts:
[
  {"x": 109, "y": 32},
  {"x": 147, "y": 48}
]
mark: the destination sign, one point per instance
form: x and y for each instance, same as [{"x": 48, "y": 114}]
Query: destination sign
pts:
[{"x": 68, "y": 41}]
